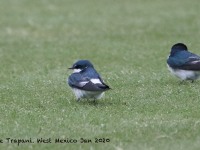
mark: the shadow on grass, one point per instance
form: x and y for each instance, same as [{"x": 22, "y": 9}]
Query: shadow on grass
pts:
[
  {"x": 97, "y": 103},
  {"x": 180, "y": 82},
  {"x": 188, "y": 82},
  {"x": 101, "y": 103}
]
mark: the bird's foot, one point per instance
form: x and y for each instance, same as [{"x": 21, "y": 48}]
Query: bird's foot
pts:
[{"x": 95, "y": 102}]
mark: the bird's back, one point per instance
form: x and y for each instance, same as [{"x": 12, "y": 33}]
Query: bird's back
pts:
[{"x": 181, "y": 58}]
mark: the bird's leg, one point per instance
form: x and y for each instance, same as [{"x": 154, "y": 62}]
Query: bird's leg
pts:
[{"x": 94, "y": 101}]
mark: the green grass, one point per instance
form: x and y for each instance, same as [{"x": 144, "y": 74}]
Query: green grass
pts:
[{"x": 128, "y": 42}]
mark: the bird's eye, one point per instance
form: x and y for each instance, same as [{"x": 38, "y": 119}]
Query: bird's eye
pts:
[{"x": 77, "y": 66}]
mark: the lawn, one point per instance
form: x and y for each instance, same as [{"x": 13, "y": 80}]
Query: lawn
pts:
[{"x": 128, "y": 42}]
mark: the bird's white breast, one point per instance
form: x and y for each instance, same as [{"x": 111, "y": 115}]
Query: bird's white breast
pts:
[
  {"x": 183, "y": 74},
  {"x": 87, "y": 94}
]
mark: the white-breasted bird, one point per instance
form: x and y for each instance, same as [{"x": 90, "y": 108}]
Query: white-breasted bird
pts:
[
  {"x": 182, "y": 63},
  {"x": 86, "y": 82}
]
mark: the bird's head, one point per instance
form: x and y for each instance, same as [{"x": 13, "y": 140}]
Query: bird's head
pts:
[
  {"x": 177, "y": 48},
  {"x": 81, "y": 65}
]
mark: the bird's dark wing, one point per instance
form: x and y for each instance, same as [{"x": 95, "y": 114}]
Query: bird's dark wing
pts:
[
  {"x": 185, "y": 60},
  {"x": 75, "y": 80},
  {"x": 87, "y": 84},
  {"x": 90, "y": 86},
  {"x": 193, "y": 63},
  {"x": 103, "y": 85}
]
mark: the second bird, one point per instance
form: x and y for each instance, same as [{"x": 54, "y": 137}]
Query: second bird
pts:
[{"x": 182, "y": 63}]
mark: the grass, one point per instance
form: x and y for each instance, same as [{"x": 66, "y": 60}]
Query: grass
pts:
[{"x": 128, "y": 42}]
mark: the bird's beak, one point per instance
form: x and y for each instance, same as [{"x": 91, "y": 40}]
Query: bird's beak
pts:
[{"x": 71, "y": 68}]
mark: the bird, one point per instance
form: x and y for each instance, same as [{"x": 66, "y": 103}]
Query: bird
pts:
[
  {"x": 85, "y": 81},
  {"x": 183, "y": 64}
]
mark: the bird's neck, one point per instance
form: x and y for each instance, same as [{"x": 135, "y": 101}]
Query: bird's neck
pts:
[{"x": 77, "y": 70}]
